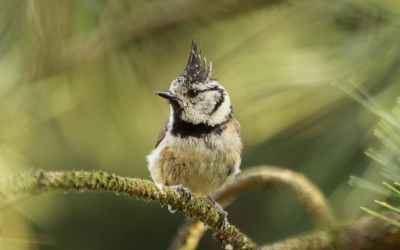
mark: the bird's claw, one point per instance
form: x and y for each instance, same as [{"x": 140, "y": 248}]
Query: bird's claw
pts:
[
  {"x": 187, "y": 193},
  {"x": 185, "y": 190},
  {"x": 223, "y": 215},
  {"x": 172, "y": 209}
]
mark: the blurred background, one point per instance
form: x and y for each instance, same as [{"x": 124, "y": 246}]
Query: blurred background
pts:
[{"x": 77, "y": 82}]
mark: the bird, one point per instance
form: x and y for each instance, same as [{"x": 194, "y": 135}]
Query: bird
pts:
[{"x": 199, "y": 147}]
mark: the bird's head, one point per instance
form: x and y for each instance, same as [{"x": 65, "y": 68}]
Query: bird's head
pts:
[{"x": 195, "y": 97}]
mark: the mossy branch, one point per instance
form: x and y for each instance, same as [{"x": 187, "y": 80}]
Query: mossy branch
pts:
[
  {"x": 266, "y": 177},
  {"x": 38, "y": 182},
  {"x": 327, "y": 235},
  {"x": 366, "y": 233}
]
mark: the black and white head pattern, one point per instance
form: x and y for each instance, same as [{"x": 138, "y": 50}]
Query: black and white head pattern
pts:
[{"x": 199, "y": 98}]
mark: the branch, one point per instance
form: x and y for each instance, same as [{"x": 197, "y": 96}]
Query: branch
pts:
[
  {"x": 266, "y": 177},
  {"x": 38, "y": 182},
  {"x": 368, "y": 233},
  {"x": 298, "y": 185},
  {"x": 151, "y": 18}
]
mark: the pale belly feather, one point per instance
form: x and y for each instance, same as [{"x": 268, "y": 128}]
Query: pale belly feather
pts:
[{"x": 203, "y": 165}]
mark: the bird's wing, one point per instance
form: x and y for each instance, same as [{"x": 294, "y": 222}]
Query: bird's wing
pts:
[{"x": 162, "y": 133}]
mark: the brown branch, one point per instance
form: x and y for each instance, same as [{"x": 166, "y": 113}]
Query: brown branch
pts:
[
  {"x": 39, "y": 182},
  {"x": 265, "y": 177},
  {"x": 308, "y": 195},
  {"x": 320, "y": 240},
  {"x": 153, "y": 17},
  {"x": 188, "y": 235},
  {"x": 368, "y": 233}
]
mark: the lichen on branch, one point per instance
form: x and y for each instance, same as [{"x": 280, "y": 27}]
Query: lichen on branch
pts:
[{"x": 37, "y": 182}]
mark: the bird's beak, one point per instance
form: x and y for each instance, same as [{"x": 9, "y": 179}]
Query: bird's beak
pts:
[{"x": 166, "y": 94}]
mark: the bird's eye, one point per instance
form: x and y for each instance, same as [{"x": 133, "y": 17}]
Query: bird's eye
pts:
[{"x": 192, "y": 93}]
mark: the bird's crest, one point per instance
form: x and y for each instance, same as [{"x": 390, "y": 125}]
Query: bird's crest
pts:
[{"x": 196, "y": 70}]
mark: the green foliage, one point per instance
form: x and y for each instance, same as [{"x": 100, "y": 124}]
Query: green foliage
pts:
[{"x": 388, "y": 132}]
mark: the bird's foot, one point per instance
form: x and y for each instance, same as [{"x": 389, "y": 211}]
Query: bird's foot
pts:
[
  {"x": 172, "y": 209},
  {"x": 223, "y": 215},
  {"x": 185, "y": 190}
]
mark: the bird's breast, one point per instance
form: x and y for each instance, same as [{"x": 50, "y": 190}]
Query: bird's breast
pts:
[{"x": 202, "y": 164}]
